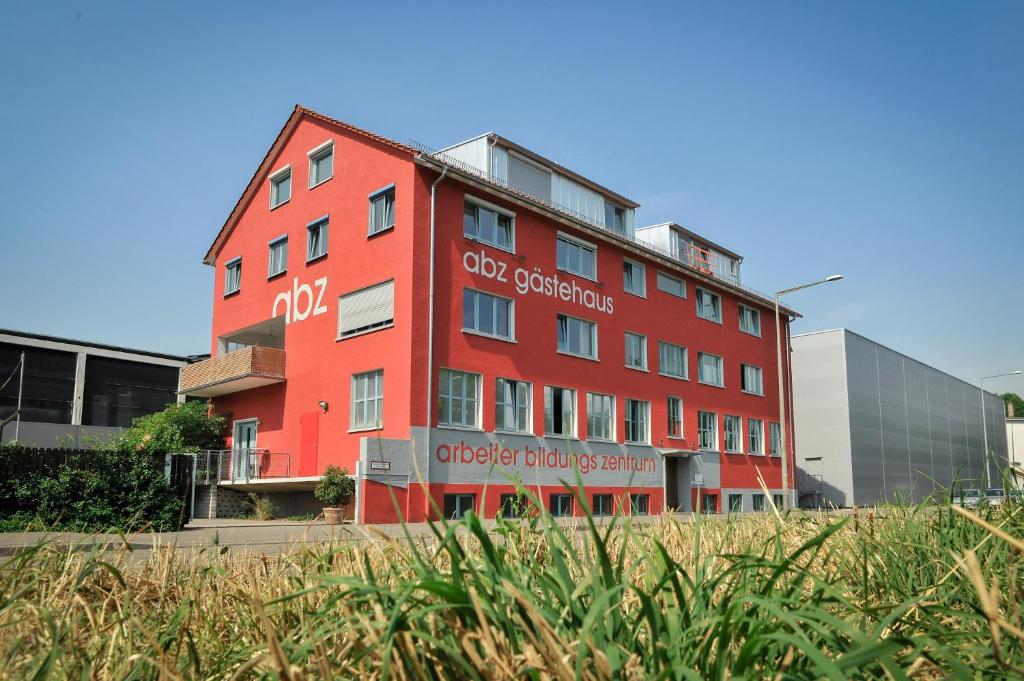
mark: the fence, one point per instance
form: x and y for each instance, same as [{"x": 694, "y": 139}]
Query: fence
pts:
[{"x": 241, "y": 465}]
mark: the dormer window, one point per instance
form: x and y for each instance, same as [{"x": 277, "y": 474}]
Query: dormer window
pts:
[{"x": 615, "y": 217}]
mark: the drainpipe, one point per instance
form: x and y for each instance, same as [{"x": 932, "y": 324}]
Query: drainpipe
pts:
[{"x": 430, "y": 307}]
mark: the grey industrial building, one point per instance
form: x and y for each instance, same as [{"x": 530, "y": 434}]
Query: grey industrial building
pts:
[{"x": 874, "y": 425}]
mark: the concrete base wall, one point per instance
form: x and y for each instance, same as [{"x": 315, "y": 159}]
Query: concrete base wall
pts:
[{"x": 213, "y": 501}]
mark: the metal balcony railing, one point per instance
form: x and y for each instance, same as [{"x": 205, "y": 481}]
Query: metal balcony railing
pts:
[
  {"x": 241, "y": 466},
  {"x": 250, "y": 367}
]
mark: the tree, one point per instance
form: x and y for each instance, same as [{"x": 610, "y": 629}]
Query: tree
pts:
[
  {"x": 1017, "y": 402},
  {"x": 186, "y": 427}
]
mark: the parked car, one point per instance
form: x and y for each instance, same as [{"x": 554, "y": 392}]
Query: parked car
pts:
[
  {"x": 995, "y": 496},
  {"x": 1015, "y": 496},
  {"x": 968, "y": 498}
]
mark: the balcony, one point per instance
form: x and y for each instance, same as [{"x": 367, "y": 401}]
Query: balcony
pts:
[{"x": 232, "y": 372}]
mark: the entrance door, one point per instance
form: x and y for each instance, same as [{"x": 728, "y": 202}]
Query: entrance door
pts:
[
  {"x": 672, "y": 482},
  {"x": 243, "y": 450}
]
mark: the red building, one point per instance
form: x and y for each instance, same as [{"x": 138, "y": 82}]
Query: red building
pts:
[{"x": 473, "y": 317}]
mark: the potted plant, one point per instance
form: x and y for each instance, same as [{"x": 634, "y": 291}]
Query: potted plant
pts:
[{"x": 335, "y": 489}]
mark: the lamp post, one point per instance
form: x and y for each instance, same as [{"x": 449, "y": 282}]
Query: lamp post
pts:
[
  {"x": 984, "y": 421},
  {"x": 786, "y": 501}
]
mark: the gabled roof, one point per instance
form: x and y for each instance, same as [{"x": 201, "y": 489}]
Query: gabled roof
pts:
[{"x": 264, "y": 168}]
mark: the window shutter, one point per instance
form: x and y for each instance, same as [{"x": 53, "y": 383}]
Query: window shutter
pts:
[{"x": 366, "y": 309}]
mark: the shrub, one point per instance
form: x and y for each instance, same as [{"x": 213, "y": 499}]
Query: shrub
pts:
[
  {"x": 262, "y": 506},
  {"x": 335, "y": 488},
  {"x": 185, "y": 427}
]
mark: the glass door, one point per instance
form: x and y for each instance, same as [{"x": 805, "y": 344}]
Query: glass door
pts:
[{"x": 243, "y": 450}]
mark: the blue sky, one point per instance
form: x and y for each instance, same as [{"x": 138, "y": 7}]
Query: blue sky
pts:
[{"x": 881, "y": 140}]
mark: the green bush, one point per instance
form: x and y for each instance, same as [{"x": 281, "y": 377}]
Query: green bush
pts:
[
  {"x": 335, "y": 488},
  {"x": 185, "y": 427}
]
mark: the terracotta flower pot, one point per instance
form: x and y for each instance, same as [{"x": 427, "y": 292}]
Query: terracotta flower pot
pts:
[{"x": 335, "y": 515}]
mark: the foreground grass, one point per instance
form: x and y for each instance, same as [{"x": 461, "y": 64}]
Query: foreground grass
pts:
[{"x": 907, "y": 593}]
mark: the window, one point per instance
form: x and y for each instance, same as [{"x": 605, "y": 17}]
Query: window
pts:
[
  {"x": 750, "y": 320},
  {"x": 615, "y": 217},
  {"x": 232, "y": 276},
  {"x": 672, "y": 360},
  {"x": 277, "y": 259},
  {"x": 735, "y": 503},
  {"x": 486, "y": 314},
  {"x": 602, "y": 504},
  {"x": 512, "y": 406},
  {"x": 577, "y": 336},
  {"x": 487, "y": 225},
  {"x": 600, "y": 416},
  {"x": 638, "y": 419},
  {"x": 775, "y": 439},
  {"x": 321, "y": 164},
  {"x": 750, "y": 379},
  {"x": 281, "y": 187},
  {"x": 458, "y": 505},
  {"x": 316, "y": 239},
  {"x": 675, "y": 417},
  {"x": 559, "y": 411},
  {"x": 512, "y": 505},
  {"x": 366, "y": 310},
  {"x": 636, "y": 351},
  {"x": 458, "y": 397},
  {"x": 382, "y": 210},
  {"x": 733, "y": 434},
  {"x": 709, "y": 305},
  {"x": 755, "y": 432},
  {"x": 634, "y": 278},
  {"x": 707, "y": 430},
  {"x": 639, "y": 504},
  {"x": 576, "y": 257},
  {"x": 757, "y": 502},
  {"x": 710, "y": 369},
  {"x": 368, "y": 400},
  {"x": 671, "y": 285},
  {"x": 561, "y": 505},
  {"x": 777, "y": 499}
]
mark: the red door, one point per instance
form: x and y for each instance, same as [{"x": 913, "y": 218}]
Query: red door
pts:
[{"x": 309, "y": 438}]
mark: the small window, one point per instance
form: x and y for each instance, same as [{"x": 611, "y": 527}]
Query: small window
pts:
[
  {"x": 232, "y": 276},
  {"x": 513, "y": 506},
  {"x": 638, "y": 419},
  {"x": 709, "y": 305},
  {"x": 602, "y": 504},
  {"x": 277, "y": 259},
  {"x": 710, "y": 369},
  {"x": 559, "y": 411},
  {"x": 458, "y": 505},
  {"x": 382, "y": 210},
  {"x": 757, "y": 502},
  {"x": 487, "y": 314},
  {"x": 733, "y": 434},
  {"x": 368, "y": 400},
  {"x": 675, "y": 417},
  {"x": 281, "y": 187},
  {"x": 634, "y": 278},
  {"x": 577, "y": 336},
  {"x": 671, "y": 285},
  {"x": 735, "y": 503},
  {"x": 775, "y": 439},
  {"x": 321, "y": 164},
  {"x": 487, "y": 225},
  {"x": 750, "y": 321},
  {"x": 575, "y": 257},
  {"x": 777, "y": 499},
  {"x": 755, "y": 432},
  {"x": 707, "y": 429},
  {"x": 639, "y": 504},
  {"x": 750, "y": 379},
  {"x": 614, "y": 217},
  {"x": 600, "y": 416},
  {"x": 512, "y": 406},
  {"x": 316, "y": 239},
  {"x": 672, "y": 360},
  {"x": 561, "y": 505},
  {"x": 459, "y": 399},
  {"x": 366, "y": 309},
  {"x": 636, "y": 351}
]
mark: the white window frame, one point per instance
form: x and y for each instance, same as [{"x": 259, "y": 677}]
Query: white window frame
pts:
[
  {"x": 573, "y": 422},
  {"x": 701, "y": 290},
  {"x": 721, "y": 369},
  {"x": 644, "y": 421},
  {"x": 377, "y": 398},
  {"x": 643, "y": 351},
  {"x": 671, "y": 417},
  {"x": 760, "y": 379},
  {"x": 480, "y": 203},
  {"x": 757, "y": 316},
  {"x": 610, "y": 419},
  {"x": 774, "y": 439},
  {"x": 701, "y": 430},
  {"x": 228, "y": 267},
  {"x": 737, "y": 434},
  {"x": 659, "y": 275},
  {"x": 500, "y": 405},
  {"x": 582, "y": 245},
  {"x": 274, "y": 178},
  {"x": 444, "y": 391},
  {"x": 685, "y": 376},
  {"x": 511, "y": 338},
  {"x": 759, "y": 449},
  {"x": 593, "y": 336},
  {"x": 643, "y": 278},
  {"x": 325, "y": 221},
  {"x": 385, "y": 192},
  {"x": 317, "y": 153},
  {"x": 281, "y": 240}
]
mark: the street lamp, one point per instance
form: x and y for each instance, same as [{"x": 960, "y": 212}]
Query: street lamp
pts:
[
  {"x": 786, "y": 501},
  {"x": 984, "y": 421}
]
